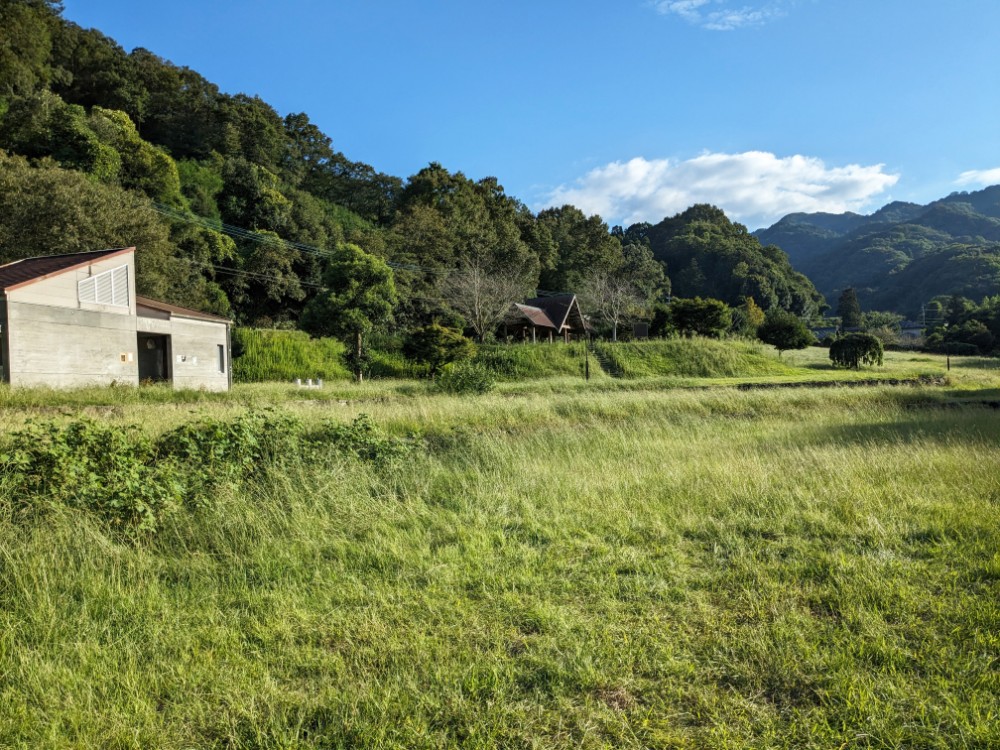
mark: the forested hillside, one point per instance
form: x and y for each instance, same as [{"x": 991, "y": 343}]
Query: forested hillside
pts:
[
  {"x": 903, "y": 255},
  {"x": 711, "y": 256},
  {"x": 239, "y": 210}
]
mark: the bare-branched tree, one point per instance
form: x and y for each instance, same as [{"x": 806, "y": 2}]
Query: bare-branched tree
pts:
[
  {"x": 611, "y": 296},
  {"x": 482, "y": 293}
]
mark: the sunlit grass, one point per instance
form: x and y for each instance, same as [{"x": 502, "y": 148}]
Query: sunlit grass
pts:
[{"x": 588, "y": 568}]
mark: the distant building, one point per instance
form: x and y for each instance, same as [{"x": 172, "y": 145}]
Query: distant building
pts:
[
  {"x": 75, "y": 320},
  {"x": 546, "y": 317}
]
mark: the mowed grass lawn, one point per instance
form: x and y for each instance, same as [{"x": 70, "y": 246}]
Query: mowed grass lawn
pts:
[{"x": 651, "y": 569}]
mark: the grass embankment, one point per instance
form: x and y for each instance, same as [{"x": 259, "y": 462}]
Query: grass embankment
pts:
[
  {"x": 693, "y": 358},
  {"x": 513, "y": 362},
  {"x": 807, "y": 569}
]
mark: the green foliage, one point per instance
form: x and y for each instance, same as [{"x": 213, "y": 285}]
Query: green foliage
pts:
[
  {"x": 747, "y": 318},
  {"x": 273, "y": 355},
  {"x": 201, "y": 184},
  {"x": 583, "y": 246},
  {"x": 902, "y": 255},
  {"x": 134, "y": 483},
  {"x": 436, "y": 346},
  {"x": 25, "y": 46},
  {"x": 700, "y": 317},
  {"x": 849, "y": 309},
  {"x": 465, "y": 378},
  {"x": 784, "y": 331},
  {"x": 359, "y": 296},
  {"x": 856, "y": 349},
  {"x": 360, "y": 439},
  {"x": 144, "y": 167},
  {"x": 690, "y": 358},
  {"x": 710, "y": 256},
  {"x": 54, "y": 210},
  {"x": 86, "y": 465},
  {"x": 43, "y": 125},
  {"x": 212, "y": 449}
]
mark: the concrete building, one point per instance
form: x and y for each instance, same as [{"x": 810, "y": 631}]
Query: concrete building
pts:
[{"x": 75, "y": 320}]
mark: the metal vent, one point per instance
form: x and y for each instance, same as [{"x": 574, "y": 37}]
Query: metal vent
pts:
[{"x": 108, "y": 288}]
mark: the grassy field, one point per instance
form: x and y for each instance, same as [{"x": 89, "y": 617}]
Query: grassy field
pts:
[{"x": 556, "y": 564}]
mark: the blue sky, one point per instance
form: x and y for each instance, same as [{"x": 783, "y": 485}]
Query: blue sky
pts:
[{"x": 633, "y": 109}]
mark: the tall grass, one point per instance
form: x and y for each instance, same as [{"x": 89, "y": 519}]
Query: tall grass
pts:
[
  {"x": 515, "y": 362},
  {"x": 775, "y": 569},
  {"x": 692, "y": 358},
  {"x": 276, "y": 355}
]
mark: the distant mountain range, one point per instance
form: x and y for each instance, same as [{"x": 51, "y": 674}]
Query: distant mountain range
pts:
[{"x": 901, "y": 256}]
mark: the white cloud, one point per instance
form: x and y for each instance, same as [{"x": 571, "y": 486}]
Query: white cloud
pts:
[
  {"x": 983, "y": 177},
  {"x": 721, "y": 15},
  {"x": 756, "y": 188}
]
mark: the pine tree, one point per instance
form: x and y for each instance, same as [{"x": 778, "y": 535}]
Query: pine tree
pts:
[{"x": 849, "y": 309}]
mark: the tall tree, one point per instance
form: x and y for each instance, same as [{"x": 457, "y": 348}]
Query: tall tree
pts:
[
  {"x": 26, "y": 44},
  {"x": 849, "y": 309},
  {"x": 584, "y": 246},
  {"x": 483, "y": 293},
  {"x": 700, "y": 317},
  {"x": 614, "y": 297},
  {"x": 359, "y": 297}
]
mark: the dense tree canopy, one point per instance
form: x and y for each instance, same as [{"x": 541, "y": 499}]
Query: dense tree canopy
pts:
[
  {"x": 784, "y": 330},
  {"x": 240, "y": 209},
  {"x": 706, "y": 254}
]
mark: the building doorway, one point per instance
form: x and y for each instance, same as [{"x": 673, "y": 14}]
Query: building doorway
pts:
[{"x": 154, "y": 357}]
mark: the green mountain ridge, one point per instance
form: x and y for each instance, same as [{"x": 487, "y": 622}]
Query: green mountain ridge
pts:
[{"x": 902, "y": 255}]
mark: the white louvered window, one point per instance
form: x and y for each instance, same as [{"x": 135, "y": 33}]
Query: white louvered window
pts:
[{"x": 108, "y": 288}]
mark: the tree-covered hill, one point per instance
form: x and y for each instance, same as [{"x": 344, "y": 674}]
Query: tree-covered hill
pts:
[
  {"x": 238, "y": 209},
  {"x": 709, "y": 255},
  {"x": 903, "y": 255}
]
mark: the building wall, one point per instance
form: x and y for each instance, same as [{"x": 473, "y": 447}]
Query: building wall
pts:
[
  {"x": 64, "y": 347},
  {"x": 53, "y": 339},
  {"x": 194, "y": 351},
  {"x": 61, "y": 290},
  {"x": 3, "y": 339}
]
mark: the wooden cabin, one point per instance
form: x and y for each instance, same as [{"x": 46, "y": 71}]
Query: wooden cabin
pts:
[{"x": 546, "y": 319}]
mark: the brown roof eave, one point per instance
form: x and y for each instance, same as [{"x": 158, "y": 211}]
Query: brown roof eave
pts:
[
  {"x": 180, "y": 312},
  {"x": 81, "y": 264}
]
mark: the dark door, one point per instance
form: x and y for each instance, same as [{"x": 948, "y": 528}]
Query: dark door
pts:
[{"x": 153, "y": 362}]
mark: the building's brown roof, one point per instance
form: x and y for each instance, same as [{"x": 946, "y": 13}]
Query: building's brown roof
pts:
[
  {"x": 554, "y": 312},
  {"x": 182, "y": 312},
  {"x": 536, "y": 315},
  {"x": 29, "y": 270}
]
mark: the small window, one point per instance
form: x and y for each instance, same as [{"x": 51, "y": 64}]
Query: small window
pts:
[
  {"x": 222, "y": 358},
  {"x": 108, "y": 288}
]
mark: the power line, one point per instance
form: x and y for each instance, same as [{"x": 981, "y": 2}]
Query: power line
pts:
[{"x": 269, "y": 239}]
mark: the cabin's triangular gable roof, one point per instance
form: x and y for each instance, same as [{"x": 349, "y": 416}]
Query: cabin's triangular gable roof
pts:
[
  {"x": 536, "y": 315},
  {"x": 561, "y": 311},
  {"x": 30, "y": 270}
]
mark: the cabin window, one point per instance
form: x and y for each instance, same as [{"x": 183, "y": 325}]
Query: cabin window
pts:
[
  {"x": 222, "y": 358},
  {"x": 108, "y": 288}
]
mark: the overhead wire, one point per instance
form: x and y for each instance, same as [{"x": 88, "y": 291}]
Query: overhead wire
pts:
[{"x": 272, "y": 239}]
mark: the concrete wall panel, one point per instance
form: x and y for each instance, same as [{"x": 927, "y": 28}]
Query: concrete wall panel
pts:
[
  {"x": 63, "y": 348},
  {"x": 195, "y": 354}
]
